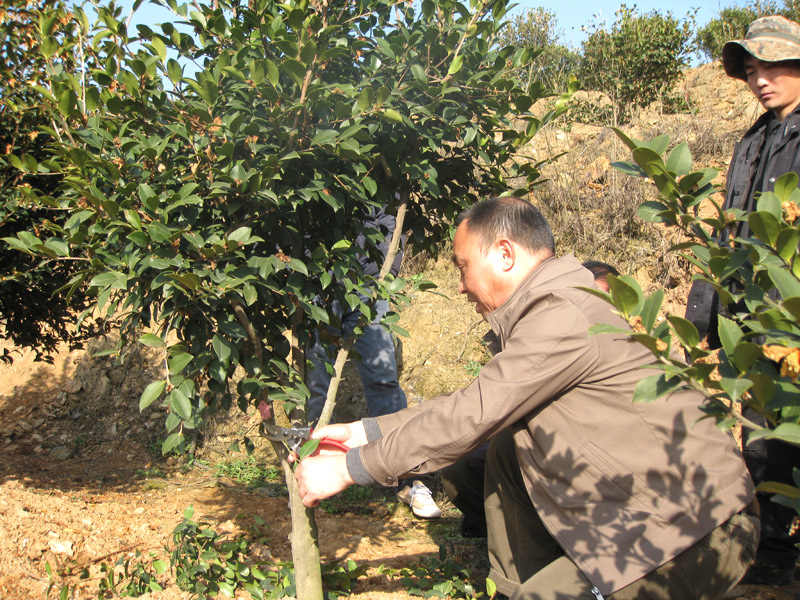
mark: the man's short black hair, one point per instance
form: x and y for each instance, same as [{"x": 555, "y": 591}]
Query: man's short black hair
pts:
[
  {"x": 600, "y": 269},
  {"x": 512, "y": 218}
]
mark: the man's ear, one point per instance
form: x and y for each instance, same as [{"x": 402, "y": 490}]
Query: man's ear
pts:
[{"x": 508, "y": 253}]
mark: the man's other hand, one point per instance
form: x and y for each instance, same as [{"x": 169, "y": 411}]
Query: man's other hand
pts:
[
  {"x": 321, "y": 476},
  {"x": 350, "y": 434}
]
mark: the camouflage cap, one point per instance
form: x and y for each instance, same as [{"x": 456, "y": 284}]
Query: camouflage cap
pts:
[{"x": 771, "y": 39}]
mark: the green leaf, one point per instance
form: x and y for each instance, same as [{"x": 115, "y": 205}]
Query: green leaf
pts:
[
  {"x": 680, "y": 160},
  {"x": 385, "y": 46},
  {"x": 222, "y": 347},
  {"x": 784, "y": 187},
  {"x": 626, "y": 295},
  {"x": 324, "y": 136},
  {"x": 651, "y": 308},
  {"x": 199, "y": 17},
  {"x": 172, "y": 442},
  {"x": 769, "y": 203},
  {"x": 111, "y": 279},
  {"x": 295, "y": 69},
  {"x": 685, "y": 330},
  {"x": 177, "y": 362},
  {"x": 658, "y": 144},
  {"x": 273, "y": 73},
  {"x": 342, "y": 245},
  {"x": 629, "y": 168},
  {"x": 605, "y": 328},
  {"x": 455, "y": 66},
  {"x": 67, "y": 101},
  {"x": 734, "y": 387},
  {"x": 651, "y": 388},
  {"x": 241, "y": 235},
  {"x": 788, "y": 432},
  {"x": 775, "y": 487},
  {"x": 152, "y": 340},
  {"x": 180, "y": 403},
  {"x": 298, "y": 265},
  {"x": 787, "y": 242},
  {"x": 132, "y": 217},
  {"x": 366, "y": 99},
  {"x": 60, "y": 247},
  {"x": 745, "y": 354},
  {"x": 151, "y": 393},
  {"x": 784, "y": 280},
  {"x": 174, "y": 70},
  {"x": 765, "y": 226},
  {"x": 308, "y": 448},
  {"x": 392, "y": 115},
  {"x": 729, "y": 334},
  {"x": 159, "y": 47}
]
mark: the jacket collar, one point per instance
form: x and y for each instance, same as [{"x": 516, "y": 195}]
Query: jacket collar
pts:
[
  {"x": 547, "y": 275},
  {"x": 765, "y": 118}
]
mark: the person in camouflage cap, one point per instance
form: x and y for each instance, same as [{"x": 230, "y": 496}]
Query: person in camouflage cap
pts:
[
  {"x": 768, "y": 60},
  {"x": 770, "y": 39}
]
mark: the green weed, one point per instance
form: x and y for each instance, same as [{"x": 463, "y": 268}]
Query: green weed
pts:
[
  {"x": 436, "y": 577},
  {"x": 249, "y": 471},
  {"x": 354, "y": 499}
]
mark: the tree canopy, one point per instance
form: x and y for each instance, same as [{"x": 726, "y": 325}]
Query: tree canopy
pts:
[{"x": 214, "y": 171}]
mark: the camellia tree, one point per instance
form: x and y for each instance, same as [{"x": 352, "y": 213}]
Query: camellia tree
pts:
[
  {"x": 31, "y": 315},
  {"x": 214, "y": 172},
  {"x": 758, "y": 364}
]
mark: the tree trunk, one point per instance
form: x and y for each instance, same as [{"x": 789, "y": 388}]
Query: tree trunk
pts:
[
  {"x": 305, "y": 543},
  {"x": 304, "y": 535}
]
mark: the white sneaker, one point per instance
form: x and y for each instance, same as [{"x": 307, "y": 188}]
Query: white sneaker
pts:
[{"x": 419, "y": 497}]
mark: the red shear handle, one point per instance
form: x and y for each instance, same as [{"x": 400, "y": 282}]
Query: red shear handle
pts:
[{"x": 334, "y": 444}]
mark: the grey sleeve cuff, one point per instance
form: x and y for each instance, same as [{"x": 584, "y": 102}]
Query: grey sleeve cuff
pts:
[
  {"x": 372, "y": 429},
  {"x": 356, "y": 468}
]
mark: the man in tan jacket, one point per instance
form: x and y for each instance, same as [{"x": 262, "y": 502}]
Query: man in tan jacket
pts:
[{"x": 587, "y": 494}]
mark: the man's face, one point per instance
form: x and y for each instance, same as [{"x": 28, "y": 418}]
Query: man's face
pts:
[
  {"x": 480, "y": 271},
  {"x": 775, "y": 84}
]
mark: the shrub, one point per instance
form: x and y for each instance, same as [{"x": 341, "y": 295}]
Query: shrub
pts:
[
  {"x": 637, "y": 59},
  {"x": 553, "y": 62},
  {"x": 757, "y": 279},
  {"x": 731, "y": 24}
]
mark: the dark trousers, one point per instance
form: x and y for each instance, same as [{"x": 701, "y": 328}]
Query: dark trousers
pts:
[
  {"x": 774, "y": 460},
  {"x": 528, "y": 564}
]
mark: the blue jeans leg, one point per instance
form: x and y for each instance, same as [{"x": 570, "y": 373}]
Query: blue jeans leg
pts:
[{"x": 375, "y": 362}]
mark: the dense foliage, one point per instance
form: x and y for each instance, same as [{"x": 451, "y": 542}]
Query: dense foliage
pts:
[
  {"x": 758, "y": 281},
  {"x": 217, "y": 170},
  {"x": 32, "y": 315}
]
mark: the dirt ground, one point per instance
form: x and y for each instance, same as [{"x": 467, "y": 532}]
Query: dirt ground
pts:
[{"x": 82, "y": 482}]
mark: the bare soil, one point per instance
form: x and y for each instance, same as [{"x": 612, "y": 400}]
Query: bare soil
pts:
[{"x": 82, "y": 481}]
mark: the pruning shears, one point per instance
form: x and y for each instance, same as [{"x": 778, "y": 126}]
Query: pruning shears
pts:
[{"x": 295, "y": 437}]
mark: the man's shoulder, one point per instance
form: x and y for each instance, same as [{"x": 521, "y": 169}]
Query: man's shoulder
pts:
[
  {"x": 558, "y": 287},
  {"x": 759, "y": 125}
]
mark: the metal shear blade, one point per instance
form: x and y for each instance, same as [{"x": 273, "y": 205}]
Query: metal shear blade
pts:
[{"x": 295, "y": 437}]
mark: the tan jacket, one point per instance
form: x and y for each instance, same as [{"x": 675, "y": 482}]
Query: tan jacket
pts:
[{"x": 622, "y": 487}]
